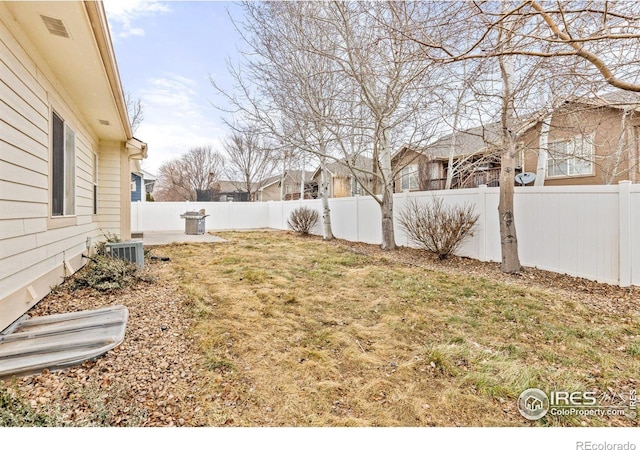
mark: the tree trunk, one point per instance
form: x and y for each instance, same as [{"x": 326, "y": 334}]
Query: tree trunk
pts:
[
  {"x": 451, "y": 170},
  {"x": 508, "y": 237},
  {"x": 452, "y": 149},
  {"x": 543, "y": 152},
  {"x": 324, "y": 196},
  {"x": 614, "y": 166},
  {"x": 282, "y": 178},
  {"x": 302, "y": 180},
  {"x": 386, "y": 207}
]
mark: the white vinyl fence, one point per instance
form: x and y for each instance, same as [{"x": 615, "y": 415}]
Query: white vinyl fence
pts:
[{"x": 586, "y": 231}]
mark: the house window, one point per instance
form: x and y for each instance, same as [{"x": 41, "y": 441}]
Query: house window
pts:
[
  {"x": 95, "y": 183},
  {"x": 636, "y": 131},
  {"x": 519, "y": 162},
  {"x": 63, "y": 168},
  {"x": 409, "y": 177},
  {"x": 571, "y": 157},
  {"x": 356, "y": 187}
]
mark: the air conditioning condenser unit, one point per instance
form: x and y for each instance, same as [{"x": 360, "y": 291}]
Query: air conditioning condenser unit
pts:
[{"x": 131, "y": 251}]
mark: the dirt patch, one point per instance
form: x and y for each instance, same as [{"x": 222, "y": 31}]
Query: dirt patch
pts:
[{"x": 149, "y": 380}]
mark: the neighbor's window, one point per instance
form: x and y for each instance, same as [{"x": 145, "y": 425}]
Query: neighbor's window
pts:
[
  {"x": 63, "y": 168},
  {"x": 636, "y": 131},
  {"x": 356, "y": 187},
  {"x": 520, "y": 156},
  {"x": 571, "y": 157},
  {"x": 409, "y": 177}
]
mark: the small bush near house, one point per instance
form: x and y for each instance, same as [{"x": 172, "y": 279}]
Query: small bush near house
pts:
[
  {"x": 15, "y": 412},
  {"x": 303, "y": 219},
  {"x": 101, "y": 248},
  {"x": 104, "y": 273},
  {"x": 436, "y": 226}
]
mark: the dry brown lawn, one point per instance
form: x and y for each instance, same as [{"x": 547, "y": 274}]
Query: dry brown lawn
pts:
[{"x": 300, "y": 332}]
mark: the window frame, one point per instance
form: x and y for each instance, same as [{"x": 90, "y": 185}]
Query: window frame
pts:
[
  {"x": 356, "y": 188},
  {"x": 95, "y": 183},
  {"x": 636, "y": 134},
  {"x": 62, "y": 173},
  {"x": 409, "y": 173},
  {"x": 520, "y": 156},
  {"x": 572, "y": 158}
]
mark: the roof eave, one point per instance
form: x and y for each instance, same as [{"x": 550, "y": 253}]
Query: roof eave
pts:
[{"x": 98, "y": 20}]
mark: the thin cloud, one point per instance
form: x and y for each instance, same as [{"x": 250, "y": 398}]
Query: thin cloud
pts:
[
  {"x": 174, "y": 90},
  {"x": 176, "y": 119},
  {"x": 170, "y": 141},
  {"x": 123, "y": 13}
]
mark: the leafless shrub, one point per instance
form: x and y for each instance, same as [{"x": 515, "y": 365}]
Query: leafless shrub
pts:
[
  {"x": 436, "y": 226},
  {"x": 302, "y": 219}
]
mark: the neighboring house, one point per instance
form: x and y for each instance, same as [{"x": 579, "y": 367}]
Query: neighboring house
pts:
[
  {"x": 591, "y": 141},
  {"x": 65, "y": 146},
  {"x": 342, "y": 182},
  {"x": 149, "y": 182},
  {"x": 142, "y": 183},
  {"x": 287, "y": 187},
  {"x": 474, "y": 162},
  {"x": 224, "y": 191},
  {"x": 269, "y": 189}
]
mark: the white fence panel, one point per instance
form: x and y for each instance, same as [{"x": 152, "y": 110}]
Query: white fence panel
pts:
[
  {"x": 569, "y": 230},
  {"x": 344, "y": 218},
  {"x": 276, "y": 218},
  {"x": 165, "y": 216},
  {"x": 634, "y": 242},
  {"x": 492, "y": 225},
  {"x": 368, "y": 220},
  {"x": 244, "y": 215},
  {"x": 586, "y": 231}
]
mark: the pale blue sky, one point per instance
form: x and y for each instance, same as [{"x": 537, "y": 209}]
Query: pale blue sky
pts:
[{"x": 166, "y": 52}]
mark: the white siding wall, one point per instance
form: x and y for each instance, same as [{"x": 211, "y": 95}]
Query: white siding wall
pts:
[
  {"x": 586, "y": 231},
  {"x": 109, "y": 188},
  {"x": 35, "y": 253}
]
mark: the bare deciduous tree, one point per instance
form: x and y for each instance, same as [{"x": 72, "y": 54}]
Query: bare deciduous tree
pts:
[
  {"x": 249, "y": 160},
  {"x": 135, "y": 109},
  {"x": 588, "y": 42},
  {"x": 347, "y": 87},
  {"x": 286, "y": 90},
  {"x": 180, "y": 179},
  {"x": 380, "y": 78}
]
